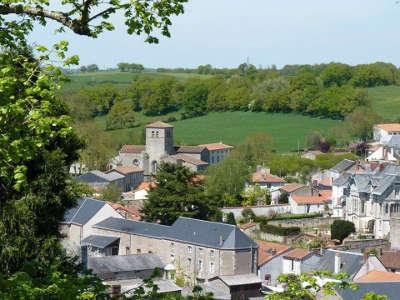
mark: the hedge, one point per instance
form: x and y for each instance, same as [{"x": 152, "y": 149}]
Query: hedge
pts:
[{"x": 279, "y": 230}]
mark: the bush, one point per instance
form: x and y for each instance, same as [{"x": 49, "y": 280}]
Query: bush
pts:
[
  {"x": 278, "y": 230},
  {"x": 230, "y": 219},
  {"x": 341, "y": 229},
  {"x": 248, "y": 215}
]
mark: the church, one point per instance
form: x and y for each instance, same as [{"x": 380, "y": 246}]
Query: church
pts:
[{"x": 160, "y": 147}]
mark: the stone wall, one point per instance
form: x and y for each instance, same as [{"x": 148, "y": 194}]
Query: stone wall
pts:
[
  {"x": 363, "y": 244},
  {"x": 303, "y": 222},
  {"x": 259, "y": 210}
]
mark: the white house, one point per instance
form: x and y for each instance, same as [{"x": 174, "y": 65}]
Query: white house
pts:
[
  {"x": 384, "y": 132},
  {"x": 301, "y": 204},
  {"x": 294, "y": 260},
  {"x": 263, "y": 178}
]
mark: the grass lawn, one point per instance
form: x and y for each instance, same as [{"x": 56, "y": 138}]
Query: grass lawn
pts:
[
  {"x": 287, "y": 130},
  {"x": 385, "y": 100},
  {"x": 122, "y": 79}
]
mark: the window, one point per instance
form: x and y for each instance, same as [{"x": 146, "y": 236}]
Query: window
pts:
[
  {"x": 138, "y": 251},
  {"x": 212, "y": 267},
  {"x": 189, "y": 264},
  {"x": 157, "y": 133},
  {"x": 292, "y": 265},
  {"x": 190, "y": 249},
  {"x": 267, "y": 278},
  {"x": 212, "y": 254},
  {"x": 152, "y": 134},
  {"x": 172, "y": 258},
  {"x": 200, "y": 265}
]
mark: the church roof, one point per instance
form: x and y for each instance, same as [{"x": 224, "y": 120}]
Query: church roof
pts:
[{"x": 159, "y": 124}]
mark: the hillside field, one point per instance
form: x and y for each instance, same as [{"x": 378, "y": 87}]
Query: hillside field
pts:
[
  {"x": 385, "y": 100},
  {"x": 287, "y": 130}
]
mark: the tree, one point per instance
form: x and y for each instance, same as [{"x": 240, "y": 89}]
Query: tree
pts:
[
  {"x": 256, "y": 195},
  {"x": 127, "y": 67},
  {"x": 177, "y": 194},
  {"x": 195, "y": 99},
  {"x": 89, "y": 17},
  {"x": 121, "y": 115},
  {"x": 248, "y": 215},
  {"x": 341, "y": 229},
  {"x": 37, "y": 145},
  {"x": 230, "y": 219},
  {"x": 92, "y": 68},
  {"x": 111, "y": 193},
  {"x": 336, "y": 74}
]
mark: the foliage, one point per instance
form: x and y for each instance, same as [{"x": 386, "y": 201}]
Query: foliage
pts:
[
  {"x": 279, "y": 230},
  {"x": 57, "y": 280},
  {"x": 248, "y": 215},
  {"x": 306, "y": 286},
  {"x": 37, "y": 144},
  {"x": 230, "y": 219},
  {"x": 195, "y": 99},
  {"x": 283, "y": 197},
  {"x": 177, "y": 194},
  {"x": 255, "y": 195},
  {"x": 336, "y": 74},
  {"x": 111, "y": 193},
  {"x": 328, "y": 160},
  {"x": 121, "y": 115},
  {"x": 340, "y": 229},
  {"x": 130, "y": 67}
]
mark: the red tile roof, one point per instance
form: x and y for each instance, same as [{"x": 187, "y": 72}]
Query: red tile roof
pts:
[
  {"x": 131, "y": 212},
  {"x": 326, "y": 181},
  {"x": 146, "y": 185},
  {"x": 189, "y": 159},
  {"x": 298, "y": 254},
  {"x": 247, "y": 226},
  {"x": 216, "y": 146},
  {"x": 132, "y": 148},
  {"x": 269, "y": 250},
  {"x": 389, "y": 127},
  {"x": 322, "y": 198},
  {"x": 159, "y": 124},
  {"x": 379, "y": 276},
  {"x": 127, "y": 169},
  {"x": 291, "y": 187},
  {"x": 390, "y": 259},
  {"x": 262, "y": 177}
]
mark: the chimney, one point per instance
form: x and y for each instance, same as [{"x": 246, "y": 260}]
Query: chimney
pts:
[
  {"x": 221, "y": 241},
  {"x": 84, "y": 257},
  {"x": 338, "y": 263}
]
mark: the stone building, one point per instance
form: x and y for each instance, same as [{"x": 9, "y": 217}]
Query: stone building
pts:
[
  {"x": 159, "y": 147},
  {"x": 199, "y": 250}
]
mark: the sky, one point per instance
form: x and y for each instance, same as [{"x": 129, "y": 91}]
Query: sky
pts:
[{"x": 225, "y": 33}]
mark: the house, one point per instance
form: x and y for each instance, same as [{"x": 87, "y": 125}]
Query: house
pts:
[
  {"x": 201, "y": 250},
  {"x": 270, "y": 260},
  {"x": 387, "y": 152},
  {"x": 133, "y": 176},
  {"x": 285, "y": 190},
  {"x": 217, "y": 151},
  {"x": 159, "y": 148},
  {"x": 343, "y": 166},
  {"x": 99, "y": 180},
  {"x": 372, "y": 200},
  {"x": 314, "y": 202},
  {"x": 126, "y": 273},
  {"x": 100, "y": 245},
  {"x": 384, "y": 132},
  {"x": 78, "y": 221},
  {"x": 136, "y": 197},
  {"x": 263, "y": 178},
  {"x": 294, "y": 261},
  {"x": 130, "y": 213}
]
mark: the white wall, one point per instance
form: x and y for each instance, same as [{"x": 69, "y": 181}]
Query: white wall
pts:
[
  {"x": 287, "y": 266},
  {"x": 105, "y": 212},
  {"x": 261, "y": 210},
  {"x": 302, "y": 209}
]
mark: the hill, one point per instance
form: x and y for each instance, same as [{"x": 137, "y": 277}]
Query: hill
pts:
[
  {"x": 385, "y": 100},
  {"x": 287, "y": 130}
]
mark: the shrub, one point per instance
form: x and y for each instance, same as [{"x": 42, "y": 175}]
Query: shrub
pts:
[
  {"x": 340, "y": 229},
  {"x": 230, "y": 219},
  {"x": 278, "y": 230},
  {"x": 248, "y": 214}
]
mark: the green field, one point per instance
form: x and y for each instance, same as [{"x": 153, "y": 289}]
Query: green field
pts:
[
  {"x": 385, "y": 100},
  {"x": 80, "y": 80},
  {"x": 287, "y": 130}
]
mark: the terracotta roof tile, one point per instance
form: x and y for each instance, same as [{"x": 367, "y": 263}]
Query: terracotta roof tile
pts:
[
  {"x": 247, "y": 226},
  {"x": 269, "y": 250},
  {"x": 189, "y": 159},
  {"x": 190, "y": 149},
  {"x": 291, "y": 187},
  {"x": 132, "y": 148},
  {"x": 379, "y": 276},
  {"x": 298, "y": 254},
  {"x": 390, "y": 259},
  {"x": 146, "y": 185},
  {"x": 133, "y": 213},
  {"x": 323, "y": 197},
  {"x": 216, "y": 146},
  {"x": 127, "y": 169},
  {"x": 389, "y": 126},
  {"x": 159, "y": 124},
  {"x": 261, "y": 177}
]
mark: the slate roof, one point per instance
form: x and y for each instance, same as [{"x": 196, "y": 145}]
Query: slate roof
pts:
[
  {"x": 394, "y": 141},
  {"x": 197, "y": 232},
  {"x": 341, "y": 180},
  {"x": 85, "y": 209},
  {"x": 351, "y": 262},
  {"x": 97, "y": 176},
  {"x": 390, "y": 289},
  {"x": 159, "y": 124},
  {"x": 99, "y": 241},
  {"x": 124, "y": 263},
  {"x": 242, "y": 279},
  {"x": 343, "y": 165}
]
